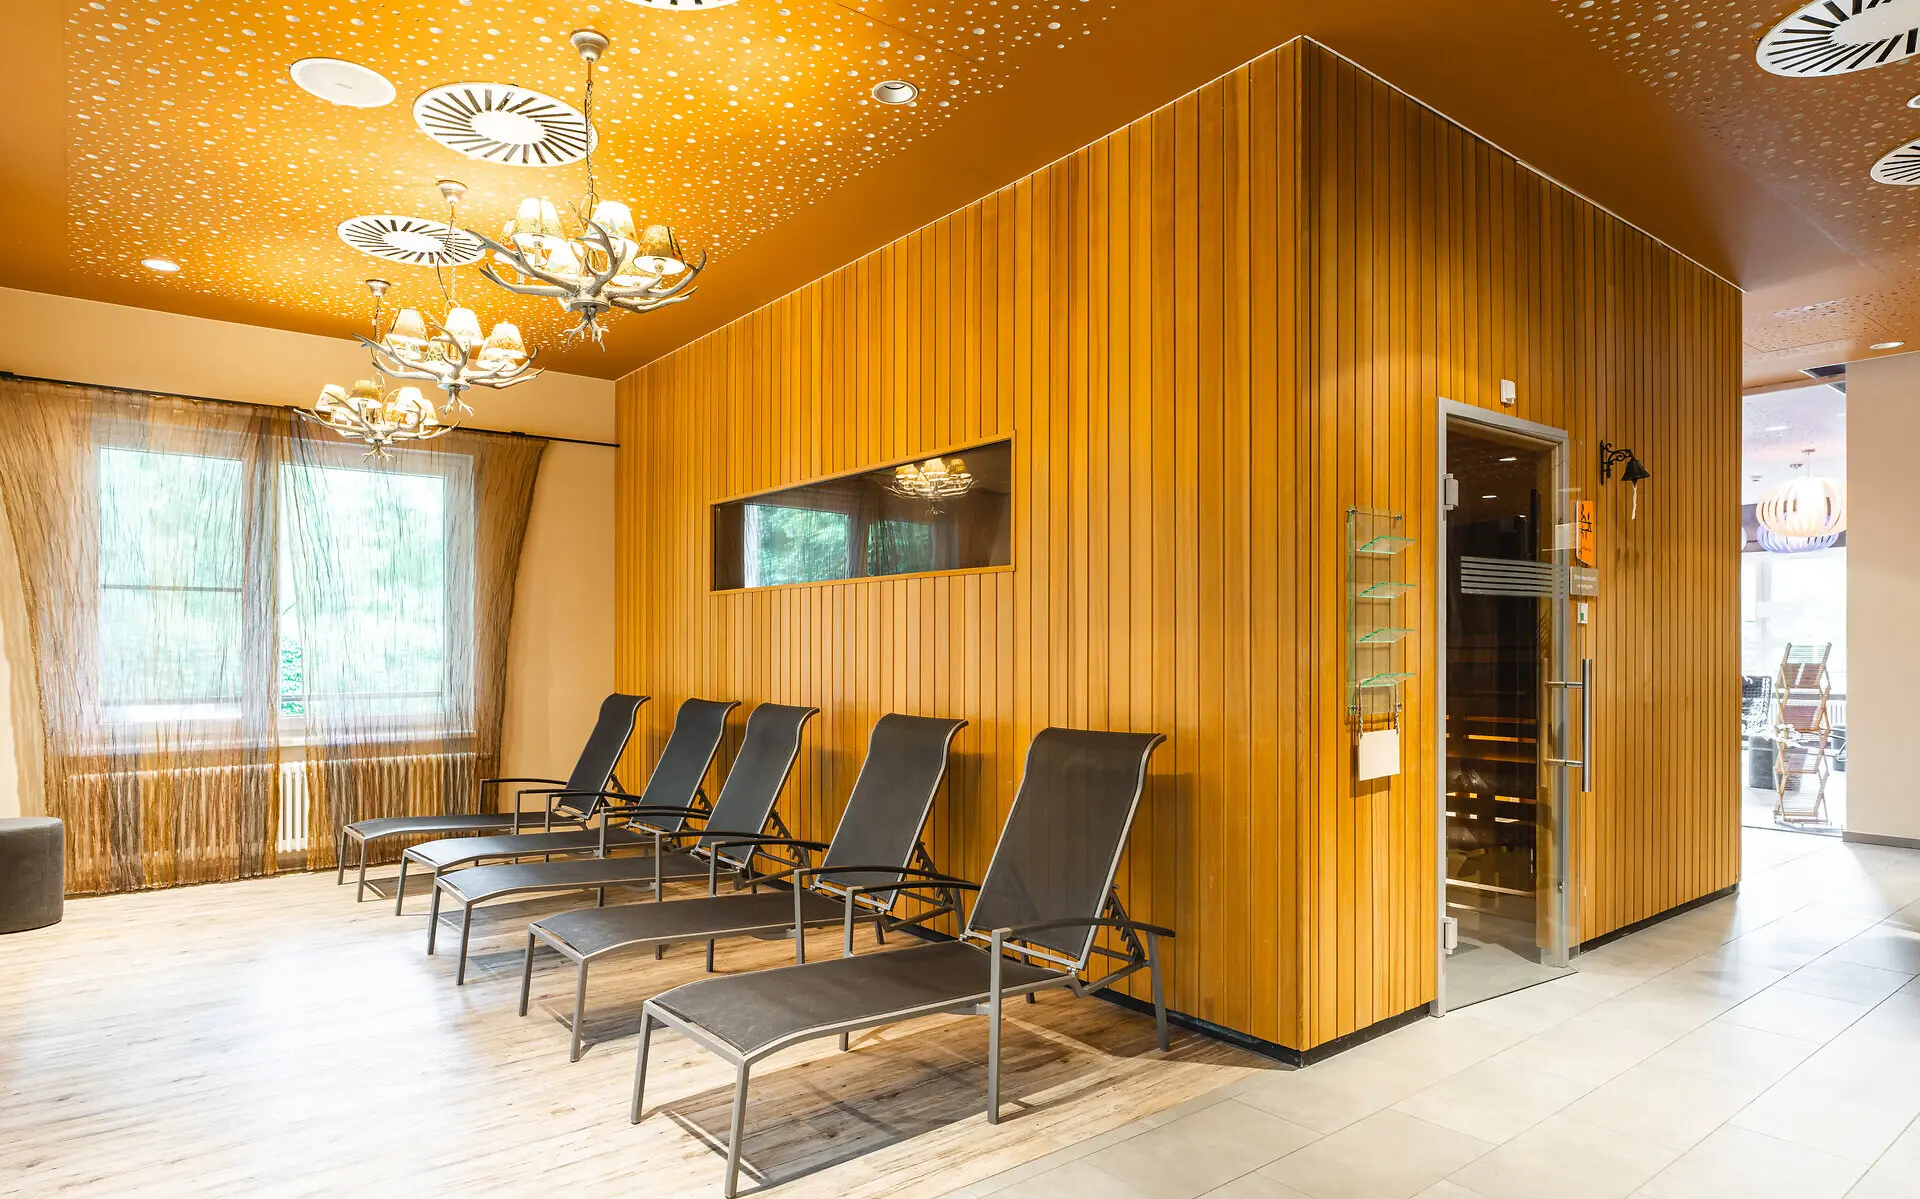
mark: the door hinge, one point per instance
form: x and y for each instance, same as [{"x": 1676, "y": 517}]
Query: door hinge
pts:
[
  {"x": 1449, "y": 493},
  {"x": 1449, "y": 933}
]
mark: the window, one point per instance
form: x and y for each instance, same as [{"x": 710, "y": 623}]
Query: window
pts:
[
  {"x": 870, "y": 524},
  {"x": 370, "y": 580},
  {"x": 171, "y": 594}
]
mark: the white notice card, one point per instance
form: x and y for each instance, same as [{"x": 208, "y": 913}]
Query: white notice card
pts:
[{"x": 1379, "y": 754}]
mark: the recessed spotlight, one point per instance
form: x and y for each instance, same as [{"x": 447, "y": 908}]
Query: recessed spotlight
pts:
[
  {"x": 338, "y": 81},
  {"x": 895, "y": 91},
  {"x": 1778, "y": 428},
  {"x": 165, "y": 266},
  {"x": 1509, "y": 459},
  {"x": 1886, "y": 345},
  {"x": 1489, "y": 497},
  {"x": 687, "y": 5}
]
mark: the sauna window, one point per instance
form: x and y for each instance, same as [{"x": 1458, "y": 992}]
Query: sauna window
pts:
[{"x": 949, "y": 512}]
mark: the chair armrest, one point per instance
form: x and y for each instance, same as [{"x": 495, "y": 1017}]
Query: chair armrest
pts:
[
  {"x": 555, "y": 782},
  {"x": 1102, "y": 922},
  {"x": 732, "y": 841},
  {"x": 944, "y": 880}
]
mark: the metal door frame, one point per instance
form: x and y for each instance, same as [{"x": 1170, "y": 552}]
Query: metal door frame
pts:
[{"x": 1555, "y": 441}]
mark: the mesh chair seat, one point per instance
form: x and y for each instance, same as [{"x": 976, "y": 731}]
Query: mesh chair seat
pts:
[
  {"x": 755, "y": 1013},
  {"x": 590, "y": 932},
  {"x": 482, "y": 883},
  {"x": 456, "y": 851}
]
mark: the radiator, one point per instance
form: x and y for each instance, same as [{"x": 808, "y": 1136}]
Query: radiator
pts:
[{"x": 294, "y": 808}]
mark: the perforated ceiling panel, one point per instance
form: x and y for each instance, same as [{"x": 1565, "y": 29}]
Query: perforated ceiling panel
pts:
[{"x": 188, "y": 139}]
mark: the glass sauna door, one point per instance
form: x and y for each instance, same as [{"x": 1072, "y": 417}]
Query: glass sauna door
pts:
[{"x": 1507, "y": 701}]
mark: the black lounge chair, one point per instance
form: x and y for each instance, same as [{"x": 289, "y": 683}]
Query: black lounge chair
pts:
[
  {"x": 698, "y": 726},
  {"x": 906, "y": 759},
  {"x": 739, "y": 816},
  {"x": 593, "y": 772},
  {"x": 1047, "y": 892}
]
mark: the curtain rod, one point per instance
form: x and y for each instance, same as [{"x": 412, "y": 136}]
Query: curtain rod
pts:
[{"x": 174, "y": 395}]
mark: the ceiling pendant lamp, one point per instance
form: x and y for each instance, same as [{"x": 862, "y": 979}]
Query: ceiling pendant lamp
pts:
[
  {"x": 455, "y": 355},
  {"x": 1773, "y": 543},
  {"x": 1804, "y": 506},
  {"x": 598, "y": 262},
  {"x": 369, "y": 410}
]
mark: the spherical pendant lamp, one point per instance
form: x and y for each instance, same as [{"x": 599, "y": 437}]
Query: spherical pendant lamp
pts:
[
  {"x": 1804, "y": 506},
  {"x": 1774, "y": 543}
]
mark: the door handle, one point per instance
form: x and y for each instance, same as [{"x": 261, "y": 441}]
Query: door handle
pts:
[{"x": 1584, "y": 685}]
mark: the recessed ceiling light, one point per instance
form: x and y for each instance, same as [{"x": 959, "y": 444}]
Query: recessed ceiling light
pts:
[
  {"x": 1509, "y": 459},
  {"x": 683, "y": 5},
  {"x": 165, "y": 266},
  {"x": 338, "y": 81},
  {"x": 1489, "y": 497},
  {"x": 895, "y": 91},
  {"x": 1886, "y": 345},
  {"x": 1777, "y": 428}
]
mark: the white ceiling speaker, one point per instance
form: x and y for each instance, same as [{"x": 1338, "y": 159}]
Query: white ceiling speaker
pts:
[
  {"x": 338, "y": 81},
  {"x": 1831, "y": 38},
  {"x": 498, "y": 122},
  {"x": 1899, "y": 166},
  {"x": 411, "y": 240},
  {"x": 683, "y": 5}
]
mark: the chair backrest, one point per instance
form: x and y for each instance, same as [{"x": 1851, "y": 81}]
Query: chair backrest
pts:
[
  {"x": 906, "y": 759},
  {"x": 601, "y": 754},
  {"x": 698, "y": 726},
  {"x": 1061, "y": 846},
  {"x": 758, "y": 773}
]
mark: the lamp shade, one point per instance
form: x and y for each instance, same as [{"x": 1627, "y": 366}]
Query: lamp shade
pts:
[
  {"x": 616, "y": 218},
  {"x": 1804, "y": 507},
  {"x": 464, "y": 327},
  {"x": 659, "y": 252},
  {"x": 1774, "y": 543},
  {"x": 504, "y": 344},
  {"x": 409, "y": 330}
]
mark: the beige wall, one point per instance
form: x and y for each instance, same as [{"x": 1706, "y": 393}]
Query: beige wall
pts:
[
  {"x": 1883, "y": 595},
  {"x": 560, "y": 657}
]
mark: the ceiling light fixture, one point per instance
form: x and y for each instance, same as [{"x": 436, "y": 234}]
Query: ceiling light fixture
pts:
[
  {"x": 1823, "y": 38},
  {"x": 602, "y": 261},
  {"x": 1886, "y": 345},
  {"x": 453, "y": 355},
  {"x": 683, "y": 5},
  {"x": 370, "y": 412},
  {"x": 165, "y": 266},
  {"x": 1778, "y": 428},
  {"x": 934, "y": 480},
  {"x": 895, "y": 91},
  {"x": 1510, "y": 459},
  {"x": 338, "y": 81},
  {"x": 1804, "y": 506}
]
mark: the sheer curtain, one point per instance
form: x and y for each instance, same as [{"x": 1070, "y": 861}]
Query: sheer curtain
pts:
[{"x": 244, "y": 634}]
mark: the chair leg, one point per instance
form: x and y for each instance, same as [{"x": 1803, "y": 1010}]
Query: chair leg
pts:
[
  {"x": 400, "y": 888},
  {"x": 579, "y": 1011},
  {"x": 360, "y": 892},
  {"x": 733, "y": 1142},
  {"x": 526, "y": 976},
  {"x": 466, "y": 931},
  {"x": 993, "y": 1046},
  {"x": 879, "y": 933},
  {"x": 640, "y": 1068},
  {"x": 433, "y": 920},
  {"x": 340, "y": 855},
  {"x": 1159, "y": 991},
  {"x": 709, "y": 957}
]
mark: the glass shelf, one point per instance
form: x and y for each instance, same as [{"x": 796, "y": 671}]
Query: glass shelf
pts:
[
  {"x": 1381, "y": 636},
  {"x": 1385, "y": 590},
  {"x": 1388, "y": 679},
  {"x": 1383, "y": 546}
]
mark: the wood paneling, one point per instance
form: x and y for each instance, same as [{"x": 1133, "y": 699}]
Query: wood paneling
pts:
[{"x": 1208, "y": 334}]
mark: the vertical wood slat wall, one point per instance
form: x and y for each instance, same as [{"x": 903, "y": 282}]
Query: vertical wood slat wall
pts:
[{"x": 1208, "y": 334}]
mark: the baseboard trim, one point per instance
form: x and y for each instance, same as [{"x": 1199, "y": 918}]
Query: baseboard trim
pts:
[
  {"x": 1272, "y": 1049},
  {"x": 1627, "y": 930},
  {"x": 1880, "y": 839}
]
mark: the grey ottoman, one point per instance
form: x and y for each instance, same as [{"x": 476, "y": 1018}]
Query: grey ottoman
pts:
[{"x": 33, "y": 872}]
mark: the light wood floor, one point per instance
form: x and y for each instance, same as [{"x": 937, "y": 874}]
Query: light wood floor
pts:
[{"x": 275, "y": 1038}]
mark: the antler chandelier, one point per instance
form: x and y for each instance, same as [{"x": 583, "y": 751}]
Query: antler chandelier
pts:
[
  {"x": 934, "y": 480},
  {"x": 372, "y": 412},
  {"x": 1804, "y": 506},
  {"x": 598, "y": 261},
  {"x": 453, "y": 356}
]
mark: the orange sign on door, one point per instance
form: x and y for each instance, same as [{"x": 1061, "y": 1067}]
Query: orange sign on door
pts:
[{"x": 1583, "y": 528}]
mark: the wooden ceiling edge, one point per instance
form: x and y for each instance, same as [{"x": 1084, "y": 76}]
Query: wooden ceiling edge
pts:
[{"x": 1522, "y": 162}]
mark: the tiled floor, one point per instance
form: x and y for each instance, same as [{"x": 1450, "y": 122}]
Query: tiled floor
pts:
[{"x": 1766, "y": 1045}]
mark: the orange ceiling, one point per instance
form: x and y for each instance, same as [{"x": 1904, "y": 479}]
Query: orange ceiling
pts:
[{"x": 170, "y": 127}]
